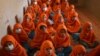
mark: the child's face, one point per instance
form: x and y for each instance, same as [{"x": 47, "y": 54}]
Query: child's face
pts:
[
  {"x": 48, "y": 51},
  {"x": 9, "y": 46},
  {"x": 89, "y": 28},
  {"x": 43, "y": 28},
  {"x": 63, "y": 33}
]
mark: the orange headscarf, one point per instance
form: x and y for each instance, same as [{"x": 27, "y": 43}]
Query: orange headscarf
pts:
[
  {"x": 39, "y": 37},
  {"x": 48, "y": 9},
  {"x": 78, "y": 49},
  {"x": 72, "y": 12},
  {"x": 58, "y": 19},
  {"x": 36, "y": 8},
  {"x": 18, "y": 49},
  {"x": 46, "y": 44},
  {"x": 58, "y": 41},
  {"x": 73, "y": 26},
  {"x": 22, "y": 36},
  {"x": 94, "y": 52},
  {"x": 29, "y": 9},
  {"x": 56, "y": 6},
  {"x": 43, "y": 18},
  {"x": 87, "y": 36},
  {"x": 64, "y": 6},
  {"x": 51, "y": 31},
  {"x": 28, "y": 25}
]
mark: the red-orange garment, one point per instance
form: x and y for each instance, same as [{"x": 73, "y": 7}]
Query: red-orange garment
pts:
[
  {"x": 64, "y": 6},
  {"x": 71, "y": 12},
  {"x": 56, "y": 6},
  {"x": 21, "y": 36},
  {"x": 39, "y": 37},
  {"x": 46, "y": 45},
  {"x": 29, "y": 9},
  {"x": 60, "y": 42},
  {"x": 87, "y": 35},
  {"x": 73, "y": 24},
  {"x": 27, "y": 23},
  {"x": 94, "y": 52},
  {"x": 17, "y": 51},
  {"x": 78, "y": 50},
  {"x": 45, "y": 9},
  {"x": 36, "y": 8},
  {"x": 42, "y": 18},
  {"x": 58, "y": 19},
  {"x": 51, "y": 32}
]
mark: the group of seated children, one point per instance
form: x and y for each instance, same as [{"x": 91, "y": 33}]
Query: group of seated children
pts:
[{"x": 47, "y": 29}]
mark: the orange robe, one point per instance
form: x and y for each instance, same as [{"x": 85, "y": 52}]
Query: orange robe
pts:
[
  {"x": 22, "y": 36},
  {"x": 56, "y": 6},
  {"x": 51, "y": 32},
  {"x": 43, "y": 18},
  {"x": 58, "y": 19},
  {"x": 87, "y": 36},
  {"x": 39, "y": 37},
  {"x": 65, "y": 8},
  {"x": 48, "y": 9},
  {"x": 77, "y": 50},
  {"x": 36, "y": 9},
  {"x": 73, "y": 24},
  {"x": 59, "y": 42},
  {"x": 28, "y": 25},
  {"x": 18, "y": 49},
  {"x": 46, "y": 45},
  {"x": 94, "y": 52}
]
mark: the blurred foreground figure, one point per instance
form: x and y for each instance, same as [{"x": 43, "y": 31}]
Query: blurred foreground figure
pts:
[{"x": 10, "y": 47}]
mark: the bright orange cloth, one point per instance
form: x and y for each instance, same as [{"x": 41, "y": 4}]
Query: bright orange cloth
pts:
[
  {"x": 36, "y": 8},
  {"x": 59, "y": 42},
  {"x": 18, "y": 49},
  {"x": 78, "y": 50},
  {"x": 73, "y": 24},
  {"x": 39, "y": 37},
  {"x": 48, "y": 9},
  {"x": 43, "y": 18},
  {"x": 56, "y": 6},
  {"x": 51, "y": 32},
  {"x": 28, "y": 25},
  {"x": 22, "y": 36},
  {"x": 58, "y": 19},
  {"x": 87, "y": 36},
  {"x": 45, "y": 45},
  {"x": 94, "y": 52},
  {"x": 64, "y": 6},
  {"x": 72, "y": 12}
]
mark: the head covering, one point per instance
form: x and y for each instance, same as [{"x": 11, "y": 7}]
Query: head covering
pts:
[
  {"x": 86, "y": 35},
  {"x": 78, "y": 49},
  {"x": 51, "y": 31},
  {"x": 73, "y": 24},
  {"x": 22, "y": 35},
  {"x": 18, "y": 49},
  {"x": 45, "y": 45},
  {"x": 65, "y": 6},
  {"x": 58, "y": 19},
  {"x": 58, "y": 40},
  {"x": 56, "y": 6},
  {"x": 40, "y": 36},
  {"x": 43, "y": 18},
  {"x": 28, "y": 25},
  {"x": 36, "y": 7}
]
